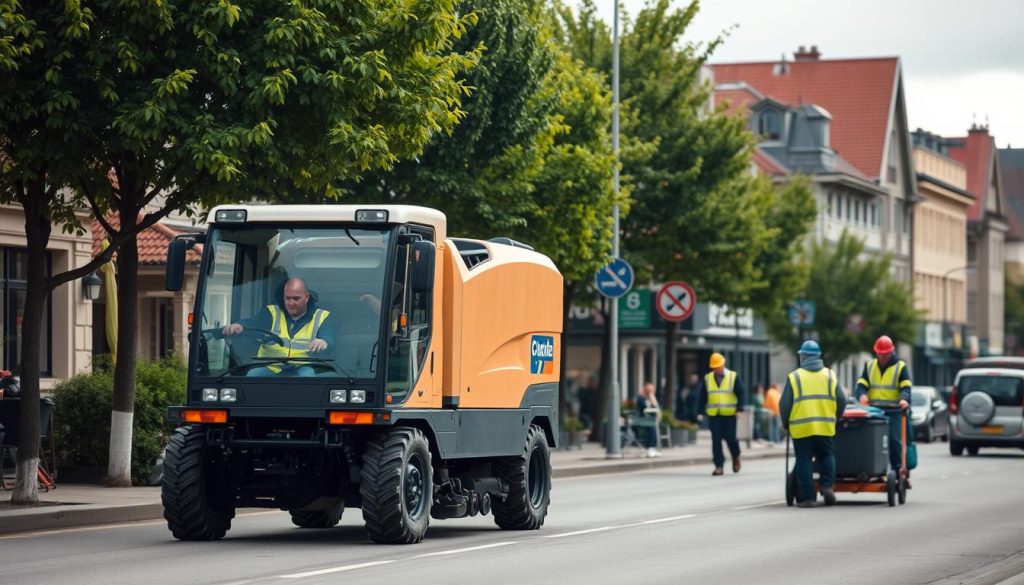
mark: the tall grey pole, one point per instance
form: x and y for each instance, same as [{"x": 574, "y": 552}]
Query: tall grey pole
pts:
[{"x": 613, "y": 442}]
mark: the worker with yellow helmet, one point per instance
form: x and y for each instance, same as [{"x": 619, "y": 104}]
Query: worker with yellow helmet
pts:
[{"x": 721, "y": 397}]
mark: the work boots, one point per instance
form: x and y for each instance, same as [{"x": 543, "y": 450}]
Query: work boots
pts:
[
  {"x": 717, "y": 471},
  {"x": 829, "y": 495},
  {"x": 736, "y": 464},
  {"x": 805, "y": 504}
]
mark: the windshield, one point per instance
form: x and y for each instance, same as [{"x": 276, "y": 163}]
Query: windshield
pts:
[
  {"x": 293, "y": 302},
  {"x": 919, "y": 398}
]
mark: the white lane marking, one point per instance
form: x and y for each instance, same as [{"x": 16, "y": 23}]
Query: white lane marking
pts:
[
  {"x": 334, "y": 570},
  {"x": 579, "y": 532},
  {"x": 669, "y": 519},
  {"x": 463, "y": 550},
  {"x": 752, "y": 506}
]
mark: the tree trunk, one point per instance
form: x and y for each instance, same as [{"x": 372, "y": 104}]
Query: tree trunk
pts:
[
  {"x": 568, "y": 292},
  {"x": 604, "y": 376},
  {"x": 670, "y": 395},
  {"x": 119, "y": 465},
  {"x": 37, "y": 234}
]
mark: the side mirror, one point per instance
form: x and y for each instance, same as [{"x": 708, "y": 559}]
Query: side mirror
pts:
[
  {"x": 421, "y": 266},
  {"x": 175, "y": 275}
]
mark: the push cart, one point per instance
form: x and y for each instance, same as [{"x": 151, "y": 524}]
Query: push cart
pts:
[{"x": 862, "y": 458}]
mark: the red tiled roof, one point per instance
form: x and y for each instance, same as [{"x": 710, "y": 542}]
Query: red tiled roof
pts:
[
  {"x": 857, "y": 92},
  {"x": 152, "y": 242},
  {"x": 1011, "y": 174},
  {"x": 976, "y": 153}
]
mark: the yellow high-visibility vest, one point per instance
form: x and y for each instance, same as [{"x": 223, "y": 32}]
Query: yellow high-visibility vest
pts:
[
  {"x": 884, "y": 389},
  {"x": 297, "y": 346},
  {"x": 722, "y": 399},
  {"x": 814, "y": 403}
]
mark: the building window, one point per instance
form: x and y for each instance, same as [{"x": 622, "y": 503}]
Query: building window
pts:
[
  {"x": 14, "y": 288},
  {"x": 829, "y": 204},
  {"x": 874, "y": 215},
  {"x": 769, "y": 125}
]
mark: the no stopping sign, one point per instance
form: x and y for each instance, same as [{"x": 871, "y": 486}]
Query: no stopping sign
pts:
[{"x": 675, "y": 301}]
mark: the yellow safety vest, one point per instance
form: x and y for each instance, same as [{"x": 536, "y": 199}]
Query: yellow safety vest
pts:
[
  {"x": 297, "y": 346},
  {"x": 722, "y": 399},
  {"x": 884, "y": 389},
  {"x": 814, "y": 403}
]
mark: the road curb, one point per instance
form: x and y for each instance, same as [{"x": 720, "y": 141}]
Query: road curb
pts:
[
  {"x": 78, "y": 515},
  {"x": 84, "y": 515}
]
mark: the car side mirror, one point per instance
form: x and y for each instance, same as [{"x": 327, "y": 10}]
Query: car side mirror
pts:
[{"x": 421, "y": 266}]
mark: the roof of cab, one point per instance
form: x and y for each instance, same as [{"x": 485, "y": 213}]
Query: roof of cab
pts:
[{"x": 338, "y": 213}]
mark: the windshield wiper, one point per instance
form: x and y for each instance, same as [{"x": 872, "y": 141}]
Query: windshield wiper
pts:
[
  {"x": 349, "y": 234},
  {"x": 247, "y": 365},
  {"x": 284, "y": 362},
  {"x": 325, "y": 361}
]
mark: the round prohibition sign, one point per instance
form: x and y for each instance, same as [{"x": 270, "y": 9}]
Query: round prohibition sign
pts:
[{"x": 676, "y": 301}]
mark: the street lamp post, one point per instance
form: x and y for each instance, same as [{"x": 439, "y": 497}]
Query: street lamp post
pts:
[
  {"x": 613, "y": 442},
  {"x": 945, "y": 317}
]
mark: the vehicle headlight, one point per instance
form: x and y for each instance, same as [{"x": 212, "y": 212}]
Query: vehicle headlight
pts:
[
  {"x": 228, "y": 395},
  {"x": 357, "y": 396},
  {"x": 338, "y": 396},
  {"x": 210, "y": 394}
]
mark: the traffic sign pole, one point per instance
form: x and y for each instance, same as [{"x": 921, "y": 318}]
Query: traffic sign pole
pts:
[{"x": 612, "y": 441}]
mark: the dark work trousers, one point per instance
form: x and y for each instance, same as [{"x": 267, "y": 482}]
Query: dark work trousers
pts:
[
  {"x": 723, "y": 427},
  {"x": 821, "y": 450},
  {"x": 895, "y": 448}
]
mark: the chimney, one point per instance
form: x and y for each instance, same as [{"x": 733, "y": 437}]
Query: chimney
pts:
[{"x": 804, "y": 54}]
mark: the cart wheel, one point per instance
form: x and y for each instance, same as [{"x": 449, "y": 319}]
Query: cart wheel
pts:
[
  {"x": 902, "y": 493},
  {"x": 890, "y": 485},
  {"x": 790, "y": 489}
]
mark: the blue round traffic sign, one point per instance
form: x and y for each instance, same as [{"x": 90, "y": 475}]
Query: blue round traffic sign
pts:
[{"x": 614, "y": 279}]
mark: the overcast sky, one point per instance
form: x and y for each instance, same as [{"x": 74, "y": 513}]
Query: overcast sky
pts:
[{"x": 963, "y": 60}]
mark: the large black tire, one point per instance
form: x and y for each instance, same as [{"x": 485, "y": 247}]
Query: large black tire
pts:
[
  {"x": 529, "y": 485},
  {"x": 318, "y": 519},
  {"x": 184, "y": 489},
  {"x": 956, "y": 448},
  {"x": 397, "y": 487}
]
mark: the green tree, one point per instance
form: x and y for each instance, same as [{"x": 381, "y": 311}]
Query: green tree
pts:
[
  {"x": 844, "y": 282},
  {"x": 189, "y": 101}
]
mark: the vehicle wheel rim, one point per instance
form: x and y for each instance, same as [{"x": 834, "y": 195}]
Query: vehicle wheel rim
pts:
[
  {"x": 415, "y": 486},
  {"x": 538, "y": 478}
]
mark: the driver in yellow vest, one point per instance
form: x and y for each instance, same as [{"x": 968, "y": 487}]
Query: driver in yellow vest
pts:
[
  {"x": 298, "y": 322},
  {"x": 811, "y": 404},
  {"x": 886, "y": 384},
  {"x": 721, "y": 397}
]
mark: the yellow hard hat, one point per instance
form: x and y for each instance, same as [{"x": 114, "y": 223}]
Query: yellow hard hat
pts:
[{"x": 717, "y": 360}]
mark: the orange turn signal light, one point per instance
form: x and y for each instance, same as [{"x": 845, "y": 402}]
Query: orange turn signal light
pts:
[
  {"x": 206, "y": 416},
  {"x": 191, "y": 318},
  {"x": 403, "y": 320},
  {"x": 350, "y": 418}
]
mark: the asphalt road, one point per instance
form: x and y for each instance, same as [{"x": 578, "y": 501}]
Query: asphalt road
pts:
[{"x": 963, "y": 523}]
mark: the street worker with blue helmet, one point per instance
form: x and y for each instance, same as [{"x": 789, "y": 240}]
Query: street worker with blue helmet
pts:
[{"x": 811, "y": 403}]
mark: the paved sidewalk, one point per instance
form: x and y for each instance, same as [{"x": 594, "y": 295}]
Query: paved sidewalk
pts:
[{"x": 78, "y": 505}]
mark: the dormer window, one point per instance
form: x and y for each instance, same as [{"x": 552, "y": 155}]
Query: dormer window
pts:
[{"x": 769, "y": 125}]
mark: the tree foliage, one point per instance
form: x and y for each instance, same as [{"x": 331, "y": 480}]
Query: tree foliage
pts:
[
  {"x": 120, "y": 105},
  {"x": 843, "y": 281}
]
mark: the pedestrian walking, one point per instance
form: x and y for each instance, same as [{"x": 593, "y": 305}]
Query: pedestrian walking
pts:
[
  {"x": 648, "y": 409},
  {"x": 885, "y": 383},
  {"x": 721, "y": 397},
  {"x": 811, "y": 403}
]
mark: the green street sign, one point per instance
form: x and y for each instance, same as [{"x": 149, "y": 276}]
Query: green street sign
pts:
[{"x": 635, "y": 309}]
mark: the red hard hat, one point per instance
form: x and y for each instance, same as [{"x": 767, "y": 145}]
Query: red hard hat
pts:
[{"x": 884, "y": 345}]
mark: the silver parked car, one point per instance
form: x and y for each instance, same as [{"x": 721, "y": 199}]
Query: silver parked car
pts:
[
  {"x": 928, "y": 414},
  {"x": 987, "y": 405}
]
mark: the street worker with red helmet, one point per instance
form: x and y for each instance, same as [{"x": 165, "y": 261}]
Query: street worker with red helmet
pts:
[{"x": 886, "y": 384}]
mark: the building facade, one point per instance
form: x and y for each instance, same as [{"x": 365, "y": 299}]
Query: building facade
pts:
[{"x": 940, "y": 262}]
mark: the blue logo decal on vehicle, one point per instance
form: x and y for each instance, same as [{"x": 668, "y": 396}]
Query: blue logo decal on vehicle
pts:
[{"x": 542, "y": 354}]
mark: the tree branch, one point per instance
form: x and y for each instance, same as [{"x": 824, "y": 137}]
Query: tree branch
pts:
[{"x": 94, "y": 205}]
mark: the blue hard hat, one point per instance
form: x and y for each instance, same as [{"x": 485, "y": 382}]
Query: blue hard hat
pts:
[{"x": 810, "y": 347}]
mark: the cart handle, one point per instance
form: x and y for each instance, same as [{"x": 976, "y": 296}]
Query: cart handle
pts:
[{"x": 903, "y": 442}]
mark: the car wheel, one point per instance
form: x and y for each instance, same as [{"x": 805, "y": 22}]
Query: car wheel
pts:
[
  {"x": 955, "y": 448},
  {"x": 972, "y": 451},
  {"x": 929, "y": 434}
]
